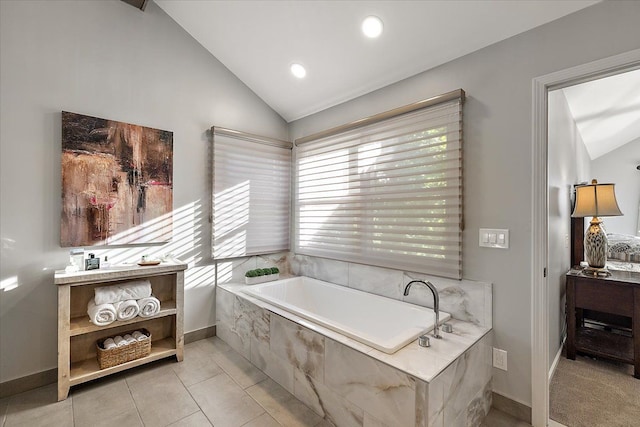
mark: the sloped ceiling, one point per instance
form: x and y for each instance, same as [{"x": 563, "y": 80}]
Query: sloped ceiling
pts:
[
  {"x": 259, "y": 40},
  {"x": 606, "y": 111}
]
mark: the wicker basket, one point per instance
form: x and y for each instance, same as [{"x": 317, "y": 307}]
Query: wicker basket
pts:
[{"x": 125, "y": 353}]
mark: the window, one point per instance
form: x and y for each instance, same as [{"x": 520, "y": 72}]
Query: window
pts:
[
  {"x": 251, "y": 194},
  {"x": 388, "y": 193}
]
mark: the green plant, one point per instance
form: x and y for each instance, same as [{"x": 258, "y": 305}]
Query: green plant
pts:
[{"x": 262, "y": 272}]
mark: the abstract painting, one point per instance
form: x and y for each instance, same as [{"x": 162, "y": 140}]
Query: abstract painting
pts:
[{"x": 117, "y": 182}]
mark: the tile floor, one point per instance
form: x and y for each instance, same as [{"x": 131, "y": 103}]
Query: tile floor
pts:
[{"x": 214, "y": 385}]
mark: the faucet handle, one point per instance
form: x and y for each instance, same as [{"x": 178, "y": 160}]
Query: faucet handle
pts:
[
  {"x": 423, "y": 341},
  {"x": 447, "y": 327}
]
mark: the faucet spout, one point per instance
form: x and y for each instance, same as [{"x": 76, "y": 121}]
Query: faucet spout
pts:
[{"x": 436, "y": 302}]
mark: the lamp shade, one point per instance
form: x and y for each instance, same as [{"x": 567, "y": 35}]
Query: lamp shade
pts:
[{"x": 596, "y": 200}]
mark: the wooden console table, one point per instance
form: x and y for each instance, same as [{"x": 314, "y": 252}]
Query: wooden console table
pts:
[
  {"x": 618, "y": 294},
  {"x": 77, "y": 336}
]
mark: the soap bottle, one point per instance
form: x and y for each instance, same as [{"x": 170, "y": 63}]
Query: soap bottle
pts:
[
  {"x": 92, "y": 263},
  {"x": 76, "y": 259}
]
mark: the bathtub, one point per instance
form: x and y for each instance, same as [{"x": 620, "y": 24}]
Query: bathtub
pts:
[{"x": 382, "y": 323}]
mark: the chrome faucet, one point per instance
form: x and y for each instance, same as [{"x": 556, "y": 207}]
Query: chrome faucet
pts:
[{"x": 436, "y": 303}]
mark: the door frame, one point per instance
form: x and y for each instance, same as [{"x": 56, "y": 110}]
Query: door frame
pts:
[{"x": 539, "y": 261}]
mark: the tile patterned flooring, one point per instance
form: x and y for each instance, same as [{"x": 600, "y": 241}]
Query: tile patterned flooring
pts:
[{"x": 214, "y": 385}]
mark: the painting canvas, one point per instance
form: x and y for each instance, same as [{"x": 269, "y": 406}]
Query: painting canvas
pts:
[{"x": 117, "y": 182}]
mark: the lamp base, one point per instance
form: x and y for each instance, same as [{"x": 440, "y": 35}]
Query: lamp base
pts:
[
  {"x": 595, "y": 245},
  {"x": 597, "y": 272}
]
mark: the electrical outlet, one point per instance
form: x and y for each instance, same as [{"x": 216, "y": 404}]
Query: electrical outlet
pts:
[{"x": 500, "y": 359}]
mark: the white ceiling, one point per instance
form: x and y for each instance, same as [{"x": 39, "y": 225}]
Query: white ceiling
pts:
[
  {"x": 606, "y": 111},
  {"x": 259, "y": 40}
]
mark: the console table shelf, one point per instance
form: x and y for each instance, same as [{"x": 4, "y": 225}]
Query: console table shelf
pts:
[
  {"x": 81, "y": 325},
  {"x": 617, "y": 294},
  {"x": 77, "y": 336},
  {"x": 88, "y": 369}
]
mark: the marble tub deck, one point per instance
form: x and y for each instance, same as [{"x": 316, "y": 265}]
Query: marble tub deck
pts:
[{"x": 351, "y": 384}]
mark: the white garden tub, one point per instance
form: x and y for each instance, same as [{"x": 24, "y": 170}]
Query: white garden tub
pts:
[{"x": 382, "y": 323}]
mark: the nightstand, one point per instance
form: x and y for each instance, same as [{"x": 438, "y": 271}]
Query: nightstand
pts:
[{"x": 618, "y": 294}]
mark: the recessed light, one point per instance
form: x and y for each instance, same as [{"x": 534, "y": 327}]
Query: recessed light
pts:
[
  {"x": 298, "y": 71},
  {"x": 372, "y": 26}
]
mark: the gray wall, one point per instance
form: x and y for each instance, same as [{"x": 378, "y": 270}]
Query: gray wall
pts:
[
  {"x": 498, "y": 166},
  {"x": 106, "y": 59},
  {"x": 109, "y": 60},
  {"x": 619, "y": 167},
  {"x": 569, "y": 164}
]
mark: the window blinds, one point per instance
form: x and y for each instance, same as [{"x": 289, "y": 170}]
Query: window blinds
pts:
[
  {"x": 251, "y": 194},
  {"x": 386, "y": 194}
]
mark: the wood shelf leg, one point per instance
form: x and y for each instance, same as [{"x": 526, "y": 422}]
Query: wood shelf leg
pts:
[
  {"x": 63, "y": 391},
  {"x": 636, "y": 332},
  {"x": 571, "y": 320},
  {"x": 64, "y": 352},
  {"x": 179, "y": 325}
]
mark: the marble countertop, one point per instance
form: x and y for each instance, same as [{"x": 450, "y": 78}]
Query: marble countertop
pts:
[
  {"x": 424, "y": 363},
  {"x": 117, "y": 272}
]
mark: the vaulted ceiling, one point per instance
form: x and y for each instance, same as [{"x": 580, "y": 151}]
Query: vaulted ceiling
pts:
[
  {"x": 606, "y": 111},
  {"x": 259, "y": 40}
]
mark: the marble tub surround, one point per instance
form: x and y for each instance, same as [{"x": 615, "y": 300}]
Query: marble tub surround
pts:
[
  {"x": 233, "y": 270},
  {"x": 349, "y": 383},
  {"x": 461, "y": 394},
  {"x": 467, "y": 300},
  {"x": 329, "y": 270},
  {"x": 241, "y": 316}
]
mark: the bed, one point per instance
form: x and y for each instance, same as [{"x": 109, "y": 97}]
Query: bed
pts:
[{"x": 623, "y": 252}]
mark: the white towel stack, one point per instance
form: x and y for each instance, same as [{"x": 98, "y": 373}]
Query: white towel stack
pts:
[
  {"x": 129, "y": 339},
  {"x": 125, "y": 291},
  {"x": 139, "y": 336},
  {"x": 122, "y": 302},
  {"x": 149, "y": 306},
  {"x": 101, "y": 314},
  {"x": 119, "y": 340},
  {"x": 109, "y": 343},
  {"x": 127, "y": 310}
]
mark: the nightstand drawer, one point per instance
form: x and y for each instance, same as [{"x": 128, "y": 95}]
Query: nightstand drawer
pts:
[{"x": 605, "y": 297}]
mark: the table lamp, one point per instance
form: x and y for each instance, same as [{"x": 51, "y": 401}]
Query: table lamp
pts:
[{"x": 596, "y": 200}]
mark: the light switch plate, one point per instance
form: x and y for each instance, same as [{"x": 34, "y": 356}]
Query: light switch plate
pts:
[{"x": 494, "y": 238}]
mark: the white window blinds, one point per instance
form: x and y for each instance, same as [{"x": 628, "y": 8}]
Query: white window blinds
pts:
[
  {"x": 251, "y": 194},
  {"x": 386, "y": 194}
]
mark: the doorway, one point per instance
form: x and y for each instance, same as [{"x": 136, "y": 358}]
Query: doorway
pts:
[{"x": 540, "y": 215}]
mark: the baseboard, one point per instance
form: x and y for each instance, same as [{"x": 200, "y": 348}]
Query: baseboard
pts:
[
  {"x": 200, "y": 334},
  {"x": 515, "y": 409},
  {"x": 556, "y": 359},
  {"x": 22, "y": 384},
  {"x": 40, "y": 379}
]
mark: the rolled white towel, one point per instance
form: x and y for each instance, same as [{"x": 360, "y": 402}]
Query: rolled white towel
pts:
[
  {"x": 120, "y": 341},
  {"x": 127, "y": 310},
  {"x": 109, "y": 343},
  {"x": 129, "y": 339},
  {"x": 122, "y": 292},
  {"x": 149, "y": 306},
  {"x": 101, "y": 314},
  {"x": 139, "y": 336}
]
